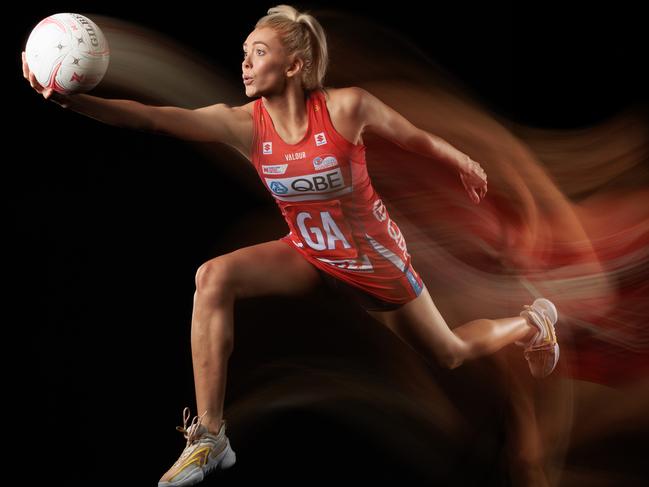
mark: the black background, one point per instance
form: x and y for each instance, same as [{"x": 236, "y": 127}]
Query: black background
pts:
[{"x": 110, "y": 226}]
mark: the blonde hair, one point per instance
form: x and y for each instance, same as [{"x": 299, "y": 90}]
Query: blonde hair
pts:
[{"x": 301, "y": 34}]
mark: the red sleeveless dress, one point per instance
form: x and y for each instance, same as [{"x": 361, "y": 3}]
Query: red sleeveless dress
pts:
[{"x": 336, "y": 219}]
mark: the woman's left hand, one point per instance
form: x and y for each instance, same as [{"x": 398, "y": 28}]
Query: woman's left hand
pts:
[{"x": 474, "y": 180}]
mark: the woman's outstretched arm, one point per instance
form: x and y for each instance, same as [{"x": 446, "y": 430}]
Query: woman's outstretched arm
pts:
[
  {"x": 214, "y": 123},
  {"x": 386, "y": 122}
]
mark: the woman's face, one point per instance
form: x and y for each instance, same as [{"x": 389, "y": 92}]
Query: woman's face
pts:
[{"x": 264, "y": 61}]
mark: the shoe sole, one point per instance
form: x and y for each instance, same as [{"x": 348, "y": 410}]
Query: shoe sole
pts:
[
  {"x": 533, "y": 365},
  {"x": 224, "y": 460}
]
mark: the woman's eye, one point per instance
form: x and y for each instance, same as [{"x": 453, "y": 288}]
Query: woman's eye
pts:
[{"x": 259, "y": 52}]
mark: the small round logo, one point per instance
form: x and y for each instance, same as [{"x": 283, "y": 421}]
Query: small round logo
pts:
[{"x": 278, "y": 188}]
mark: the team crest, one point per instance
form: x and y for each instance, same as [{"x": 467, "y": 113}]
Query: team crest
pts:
[
  {"x": 320, "y": 138},
  {"x": 267, "y": 147}
]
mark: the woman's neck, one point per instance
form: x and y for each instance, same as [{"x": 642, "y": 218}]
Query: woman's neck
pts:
[{"x": 288, "y": 111}]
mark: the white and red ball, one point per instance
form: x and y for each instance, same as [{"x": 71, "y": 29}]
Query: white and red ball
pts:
[{"x": 68, "y": 53}]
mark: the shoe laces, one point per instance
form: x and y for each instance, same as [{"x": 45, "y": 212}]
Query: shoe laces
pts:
[
  {"x": 547, "y": 336},
  {"x": 191, "y": 433}
]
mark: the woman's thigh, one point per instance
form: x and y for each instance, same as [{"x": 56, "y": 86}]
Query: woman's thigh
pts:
[
  {"x": 420, "y": 324},
  {"x": 269, "y": 268}
]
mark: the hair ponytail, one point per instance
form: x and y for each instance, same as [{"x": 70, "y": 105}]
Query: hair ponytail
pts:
[{"x": 301, "y": 34}]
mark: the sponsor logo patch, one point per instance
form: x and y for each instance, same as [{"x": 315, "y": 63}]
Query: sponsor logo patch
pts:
[
  {"x": 277, "y": 187},
  {"x": 274, "y": 169},
  {"x": 320, "y": 138},
  {"x": 322, "y": 182},
  {"x": 324, "y": 162}
]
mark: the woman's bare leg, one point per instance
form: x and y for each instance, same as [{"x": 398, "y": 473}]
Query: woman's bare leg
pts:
[
  {"x": 486, "y": 336},
  {"x": 420, "y": 324},
  {"x": 212, "y": 339},
  {"x": 271, "y": 268}
]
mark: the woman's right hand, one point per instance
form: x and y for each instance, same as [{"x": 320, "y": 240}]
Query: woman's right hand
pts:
[{"x": 46, "y": 92}]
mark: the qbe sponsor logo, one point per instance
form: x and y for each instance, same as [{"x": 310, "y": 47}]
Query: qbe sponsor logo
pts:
[
  {"x": 324, "y": 162},
  {"x": 323, "y": 182},
  {"x": 274, "y": 169}
]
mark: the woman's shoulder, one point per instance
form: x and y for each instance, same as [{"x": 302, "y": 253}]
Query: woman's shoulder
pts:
[
  {"x": 248, "y": 107},
  {"x": 346, "y": 98},
  {"x": 343, "y": 94}
]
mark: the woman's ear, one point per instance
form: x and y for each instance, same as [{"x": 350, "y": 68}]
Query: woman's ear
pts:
[{"x": 295, "y": 67}]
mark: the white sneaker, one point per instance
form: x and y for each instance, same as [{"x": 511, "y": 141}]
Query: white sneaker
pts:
[
  {"x": 542, "y": 350},
  {"x": 203, "y": 453}
]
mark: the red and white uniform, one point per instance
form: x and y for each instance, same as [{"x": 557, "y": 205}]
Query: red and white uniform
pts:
[{"x": 336, "y": 219}]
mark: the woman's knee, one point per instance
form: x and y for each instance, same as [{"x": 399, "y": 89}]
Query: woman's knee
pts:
[
  {"x": 215, "y": 278},
  {"x": 454, "y": 355}
]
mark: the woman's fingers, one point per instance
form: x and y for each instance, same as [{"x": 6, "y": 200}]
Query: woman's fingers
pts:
[
  {"x": 480, "y": 194},
  {"x": 32, "y": 81},
  {"x": 31, "y": 77},
  {"x": 35, "y": 84},
  {"x": 477, "y": 190},
  {"x": 25, "y": 67}
]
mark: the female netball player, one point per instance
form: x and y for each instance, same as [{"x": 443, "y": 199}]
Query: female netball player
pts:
[{"x": 306, "y": 144}]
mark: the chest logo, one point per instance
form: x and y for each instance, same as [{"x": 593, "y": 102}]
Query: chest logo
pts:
[
  {"x": 320, "y": 138},
  {"x": 295, "y": 156},
  {"x": 323, "y": 182},
  {"x": 267, "y": 147},
  {"x": 324, "y": 162},
  {"x": 274, "y": 169},
  {"x": 278, "y": 188}
]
